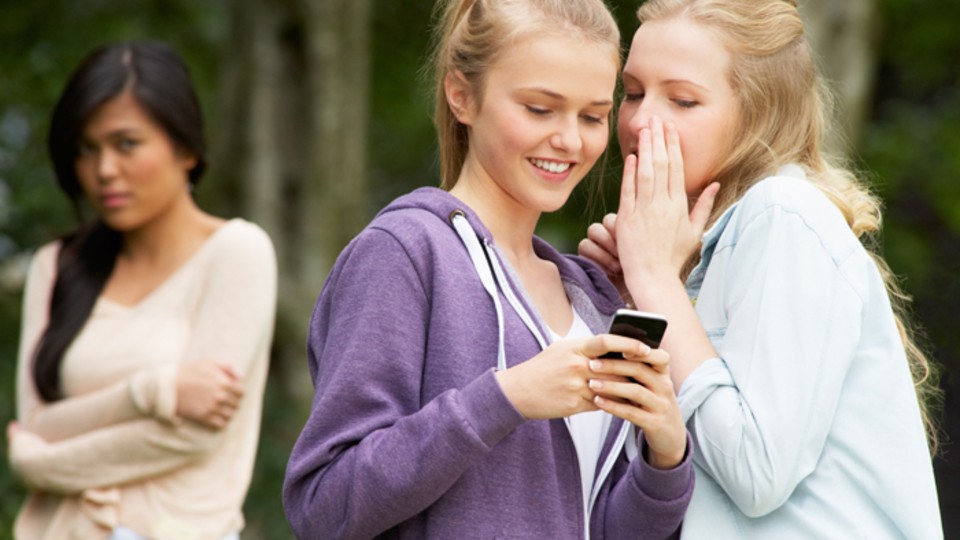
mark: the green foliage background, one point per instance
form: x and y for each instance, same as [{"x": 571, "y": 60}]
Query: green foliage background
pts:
[{"x": 911, "y": 148}]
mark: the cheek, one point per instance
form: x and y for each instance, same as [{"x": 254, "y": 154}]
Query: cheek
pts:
[
  {"x": 510, "y": 133},
  {"x": 595, "y": 142},
  {"x": 696, "y": 161},
  {"x": 86, "y": 171},
  {"x": 155, "y": 170}
]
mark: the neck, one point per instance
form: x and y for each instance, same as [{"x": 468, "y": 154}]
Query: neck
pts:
[
  {"x": 511, "y": 224},
  {"x": 166, "y": 236}
]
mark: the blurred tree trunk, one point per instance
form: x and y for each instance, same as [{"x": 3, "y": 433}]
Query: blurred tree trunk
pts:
[
  {"x": 845, "y": 37},
  {"x": 291, "y": 144}
]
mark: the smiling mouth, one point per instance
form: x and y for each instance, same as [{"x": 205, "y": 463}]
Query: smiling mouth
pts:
[{"x": 555, "y": 167}]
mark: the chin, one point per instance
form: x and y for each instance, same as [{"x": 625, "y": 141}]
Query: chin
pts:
[
  {"x": 553, "y": 204},
  {"x": 121, "y": 224}
]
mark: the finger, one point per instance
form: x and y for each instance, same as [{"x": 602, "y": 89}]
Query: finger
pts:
[
  {"x": 590, "y": 250},
  {"x": 702, "y": 208},
  {"x": 645, "y": 173},
  {"x": 603, "y": 237},
  {"x": 622, "y": 368},
  {"x": 603, "y": 343},
  {"x": 628, "y": 185},
  {"x": 610, "y": 223},
  {"x": 229, "y": 370},
  {"x": 657, "y": 358},
  {"x": 658, "y": 382},
  {"x": 625, "y": 410},
  {"x": 678, "y": 188},
  {"x": 227, "y": 410},
  {"x": 237, "y": 389},
  {"x": 660, "y": 161},
  {"x": 228, "y": 399},
  {"x": 631, "y": 391}
]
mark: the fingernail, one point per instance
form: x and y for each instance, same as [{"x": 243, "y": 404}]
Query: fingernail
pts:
[
  {"x": 595, "y": 384},
  {"x": 599, "y": 400},
  {"x": 644, "y": 349},
  {"x": 595, "y": 365}
]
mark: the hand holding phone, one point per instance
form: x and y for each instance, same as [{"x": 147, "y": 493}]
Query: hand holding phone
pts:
[{"x": 640, "y": 325}]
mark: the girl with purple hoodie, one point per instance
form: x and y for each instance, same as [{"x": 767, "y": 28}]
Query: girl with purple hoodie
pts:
[{"x": 454, "y": 354}]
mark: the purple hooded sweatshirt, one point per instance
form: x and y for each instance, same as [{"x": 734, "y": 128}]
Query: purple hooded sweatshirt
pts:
[{"x": 410, "y": 435}]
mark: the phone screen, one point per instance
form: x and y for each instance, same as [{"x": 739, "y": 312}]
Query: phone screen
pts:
[{"x": 639, "y": 325}]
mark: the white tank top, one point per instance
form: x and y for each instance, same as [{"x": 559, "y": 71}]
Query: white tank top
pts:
[{"x": 588, "y": 429}]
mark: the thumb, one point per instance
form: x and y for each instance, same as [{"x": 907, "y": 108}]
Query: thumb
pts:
[{"x": 702, "y": 208}]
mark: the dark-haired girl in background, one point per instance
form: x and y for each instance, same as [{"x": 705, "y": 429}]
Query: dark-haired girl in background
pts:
[{"x": 145, "y": 338}]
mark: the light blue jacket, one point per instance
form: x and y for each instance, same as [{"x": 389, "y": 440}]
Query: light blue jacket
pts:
[{"x": 807, "y": 425}]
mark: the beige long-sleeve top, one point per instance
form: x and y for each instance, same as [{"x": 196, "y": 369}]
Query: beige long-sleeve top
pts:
[{"x": 113, "y": 452}]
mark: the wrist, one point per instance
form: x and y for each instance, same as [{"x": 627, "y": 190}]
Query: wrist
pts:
[
  {"x": 505, "y": 380},
  {"x": 655, "y": 288},
  {"x": 664, "y": 461}
]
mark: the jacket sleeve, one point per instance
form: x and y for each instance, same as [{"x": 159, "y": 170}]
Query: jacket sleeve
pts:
[
  {"x": 760, "y": 414},
  {"x": 649, "y": 503},
  {"x": 371, "y": 454},
  {"x": 234, "y": 321}
]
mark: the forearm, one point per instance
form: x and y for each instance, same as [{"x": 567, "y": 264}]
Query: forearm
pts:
[
  {"x": 393, "y": 472},
  {"x": 148, "y": 394},
  {"x": 685, "y": 338},
  {"x": 119, "y": 454}
]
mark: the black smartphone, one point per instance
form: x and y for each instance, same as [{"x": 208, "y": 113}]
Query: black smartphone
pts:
[{"x": 639, "y": 325}]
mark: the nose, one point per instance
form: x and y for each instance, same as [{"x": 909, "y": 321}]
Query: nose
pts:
[
  {"x": 107, "y": 165},
  {"x": 640, "y": 116},
  {"x": 567, "y": 137}
]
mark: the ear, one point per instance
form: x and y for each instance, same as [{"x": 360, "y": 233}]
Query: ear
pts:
[
  {"x": 459, "y": 100},
  {"x": 187, "y": 160}
]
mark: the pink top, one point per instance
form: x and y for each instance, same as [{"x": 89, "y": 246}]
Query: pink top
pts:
[{"x": 113, "y": 452}]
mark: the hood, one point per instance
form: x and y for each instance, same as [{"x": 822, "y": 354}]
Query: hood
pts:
[
  {"x": 440, "y": 203},
  {"x": 576, "y": 270}
]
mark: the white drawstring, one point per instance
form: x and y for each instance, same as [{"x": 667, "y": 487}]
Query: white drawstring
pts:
[
  {"x": 484, "y": 257},
  {"x": 512, "y": 298},
  {"x": 470, "y": 240}
]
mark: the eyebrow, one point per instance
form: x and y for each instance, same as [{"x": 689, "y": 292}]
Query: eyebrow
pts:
[
  {"x": 560, "y": 97},
  {"x": 668, "y": 82},
  {"x": 119, "y": 132}
]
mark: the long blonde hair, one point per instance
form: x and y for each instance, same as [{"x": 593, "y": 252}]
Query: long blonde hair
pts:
[
  {"x": 784, "y": 111},
  {"x": 471, "y": 35}
]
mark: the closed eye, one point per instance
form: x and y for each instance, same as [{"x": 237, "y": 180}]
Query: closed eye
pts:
[{"x": 593, "y": 119}]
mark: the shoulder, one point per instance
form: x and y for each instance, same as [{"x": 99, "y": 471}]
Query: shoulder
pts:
[
  {"x": 43, "y": 264},
  {"x": 793, "y": 197},
  {"x": 424, "y": 236},
  {"x": 45, "y": 258},
  {"x": 239, "y": 252},
  {"x": 787, "y": 204},
  {"x": 593, "y": 280},
  {"x": 238, "y": 241},
  {"x": 789, "y": 193},
  {"x": 242, "y": 235}
]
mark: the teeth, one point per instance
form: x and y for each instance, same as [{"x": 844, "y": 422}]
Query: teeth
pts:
[{"x": 551, "y": 166}]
